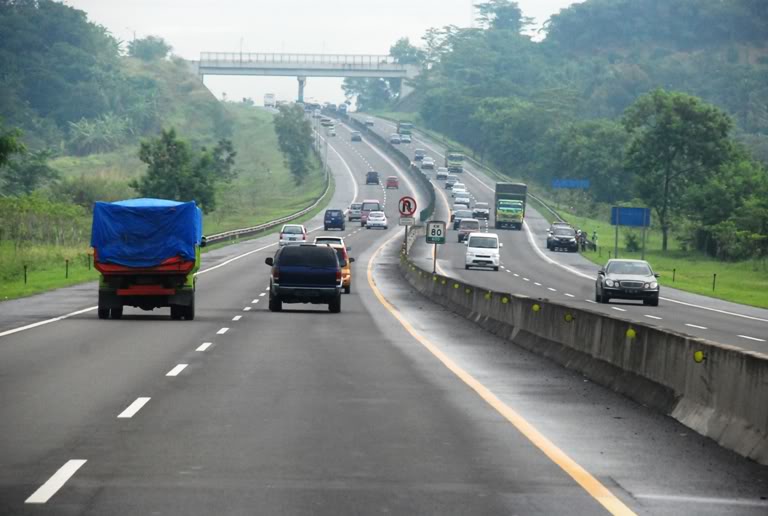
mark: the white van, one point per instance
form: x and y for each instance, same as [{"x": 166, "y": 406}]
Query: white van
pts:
[{"x": 482, "y": 250}]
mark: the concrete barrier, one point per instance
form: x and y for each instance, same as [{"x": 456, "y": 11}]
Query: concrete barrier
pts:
[{"x": 724, "y": 397}]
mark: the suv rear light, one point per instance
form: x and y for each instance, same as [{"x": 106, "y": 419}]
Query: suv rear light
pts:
[
  {"x": 338, "y": 275},
  {"x": 275, "y": 274},
  {"x": 281, "y": 235}
]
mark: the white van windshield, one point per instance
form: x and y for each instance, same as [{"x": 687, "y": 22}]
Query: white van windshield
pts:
[{"x": 483, "y": 242}]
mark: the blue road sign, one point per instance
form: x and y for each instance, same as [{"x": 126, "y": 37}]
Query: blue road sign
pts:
[
  {"x": 635, "y": 217},
  {"x": 571, "y": 184}
]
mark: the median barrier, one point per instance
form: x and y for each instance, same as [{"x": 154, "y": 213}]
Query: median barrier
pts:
[{"x": 722, "y": 394}]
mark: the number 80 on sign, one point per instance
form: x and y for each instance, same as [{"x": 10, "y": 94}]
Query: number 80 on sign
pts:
[{"x": 436, "y": 232}]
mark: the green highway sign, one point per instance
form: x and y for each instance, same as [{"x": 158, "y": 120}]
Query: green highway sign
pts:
[{"x": 436, "y": 232}]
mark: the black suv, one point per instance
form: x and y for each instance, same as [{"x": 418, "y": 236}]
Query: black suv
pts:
[
  {"x": 372, "y": 178},
  {"x": 563, "y": 237},
  {"x": 305, "y": 273}
]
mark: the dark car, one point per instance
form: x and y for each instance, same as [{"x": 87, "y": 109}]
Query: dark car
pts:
[
  {"x": 334, "y": 219},
  {"x": 563, "y": 237},
  {"x": 305, "y": 273},
  {"x": 458, "y": 215},
  {"x": 627, "y": 279},
  {"x": 419, "y": 154},
  {"x": 356, "y": 136},
  {"x": 372, "y": 178}
]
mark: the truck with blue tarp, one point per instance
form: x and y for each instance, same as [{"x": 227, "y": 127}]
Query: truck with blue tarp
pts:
[{"x": 147, "y": 252}]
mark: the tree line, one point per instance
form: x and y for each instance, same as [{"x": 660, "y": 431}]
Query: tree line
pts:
[{"x": 585, "y": 103}]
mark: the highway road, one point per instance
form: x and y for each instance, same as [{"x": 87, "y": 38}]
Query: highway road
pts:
[
  {"x": 393, "y": 406},
  {"x": 530, "y": 269}
]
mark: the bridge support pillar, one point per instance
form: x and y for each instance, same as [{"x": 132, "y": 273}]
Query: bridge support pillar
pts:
[{"x": 302, "y": 82}]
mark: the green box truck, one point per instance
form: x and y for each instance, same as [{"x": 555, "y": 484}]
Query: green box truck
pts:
[
  {"x": 509, "y": 205},
  {"x": 454, "y": 161}
]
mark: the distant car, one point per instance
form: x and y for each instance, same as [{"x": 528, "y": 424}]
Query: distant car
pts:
[
  {"x": 427, "y": 163},
  {"x": 334, "y": 219},
  {"x": 292, "y": 234},
  {"x": 482, "y": 250},
  {"x": 353, "y": 213},
  {"x": 459, "y": 191},
  {"x": 452, "y": 180},
  {"x": 419, "y": 154},
  {"x": 481, "y": 211},
  {"x": 335, "y": 240},
  {"x": 368, "y": 206},
  {"x": 345, "y": 262},
  {"x": 442, "y": 173},
  {"x": 332, "y": 131},
  {"x": 376, "y": 219},
  {"x": 463, "y": 200},
  {"x": 405, "y": 138},
  {"x": 394, "y": 138},
  {"x": 326, "y": 122},
  {"x": 393, "y": 182},
  {"x": 627, "y": 279},
  {"x": 458, "y": 215},
  {"x": 369, "y": 121},
  {"x": 459, "y": 206},
  {"x": 305, "y": 273},
  {"x": 467, "y": 226},
  {"x": 563, "y": 238},
  {"x": 372, "y": 178},
  {"x": 356, "y": 136}
]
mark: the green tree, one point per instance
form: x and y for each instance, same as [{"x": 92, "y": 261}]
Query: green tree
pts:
[
  {"x": 502, "y": 15},
  {"x": 10, "y": 144},
  {"x": 150, "y": 48},
  {"x": 294, "y": 136},
  {"x": 406, "y": 53},
  {"x": 676, "y": 140},
  {"x": 26, "y": 174},
  {"x": 175, "y": 171}
]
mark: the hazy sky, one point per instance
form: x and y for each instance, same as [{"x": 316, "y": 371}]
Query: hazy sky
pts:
[{"x": 313, "y": 26}]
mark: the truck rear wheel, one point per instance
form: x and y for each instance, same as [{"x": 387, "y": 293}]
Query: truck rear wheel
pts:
[
  {"x": 275, "y": 304},
  {"x": 103, "y": 313},
  {"x": 176, "y": 312},
  {"x": 189, "y": 311},
  {"x": 116, "y": 313}
]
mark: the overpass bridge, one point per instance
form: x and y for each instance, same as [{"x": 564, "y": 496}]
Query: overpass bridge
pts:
[{"x": 303, "y": 65}]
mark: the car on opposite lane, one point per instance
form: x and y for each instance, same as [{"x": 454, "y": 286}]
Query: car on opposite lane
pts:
[
  {"x": 442, "y": 173},
  {"x": 450, "y": 181},
  {"x": 428, "y": 163},
  {"x": 372, "y": 178},
  {"x": 419, "y": 154},
  {"x": 405, "y": 138},
  {"x": 292, "y": 234},
  {"x": 376, "y": 219},
  {"x": 483, "y": 250},
  {"x": 467, "y": 226},
  {"x": 355, "y": 136},
  {"x": 394, "y": 138},
  {"x": 458, "y": 215},
  {"x": 627, "y": 279},
  {"x": 481, "y": 211}
]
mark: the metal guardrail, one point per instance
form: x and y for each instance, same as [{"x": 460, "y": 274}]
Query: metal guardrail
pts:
[
  {"x": 282, "y": 58},
  {"x": 237, "y": 233}
]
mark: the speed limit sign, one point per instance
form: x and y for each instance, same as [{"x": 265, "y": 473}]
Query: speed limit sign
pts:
[{"x": 436, "y": 232}]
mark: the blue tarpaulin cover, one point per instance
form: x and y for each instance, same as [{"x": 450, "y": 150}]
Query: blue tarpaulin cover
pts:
[{"x": 145, "y": 232}]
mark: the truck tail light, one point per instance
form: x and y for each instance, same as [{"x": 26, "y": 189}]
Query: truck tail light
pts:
[{"x": 275, "y": 274}]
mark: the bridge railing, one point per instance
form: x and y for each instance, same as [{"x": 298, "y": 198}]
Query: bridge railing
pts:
[{"x": 208, "y": 58}]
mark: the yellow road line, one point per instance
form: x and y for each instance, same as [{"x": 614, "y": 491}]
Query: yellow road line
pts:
[{"x": 585, "y": 479}]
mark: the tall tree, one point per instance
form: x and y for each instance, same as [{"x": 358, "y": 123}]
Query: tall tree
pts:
[
  {"x": 405, "y": 53},
  {"x": 294, "y": 136},
  {"x": 150, "y": 48},
  {"x": 10, "y": 143},
  {"x": 675, "y": 140},
  {"x": 502, "y": 15},
  {"x": 175, "y": 171}
]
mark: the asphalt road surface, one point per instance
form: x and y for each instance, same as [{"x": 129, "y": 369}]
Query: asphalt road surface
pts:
[{"x": 393, "y": 406}]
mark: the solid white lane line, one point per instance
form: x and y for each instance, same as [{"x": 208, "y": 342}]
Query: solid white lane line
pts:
[
  {"x": 696, "y": 326},
  {"x": 653, "y": 317},
  {"x": 204, "y": 346},
  {"x": 237, "y": 318},
  {"x": 618, "y": 309},
  {"x": 247, "y": 309},
  {"x": 47, "y": 321},
  {"x": 176, "y": 370},
  {"x": 222, "y": 331},
  {"x": 133, "y": 408},
  {"x": 751, "y": 338},
  {"x": 550, "y": 288},
  {"x": 569, "y": 295},
  {"x": 53, "y": 484}
]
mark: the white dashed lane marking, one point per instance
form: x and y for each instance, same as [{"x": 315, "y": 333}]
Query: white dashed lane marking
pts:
[
  {"x": 526, "y": 279},
  {"x": 247, "y": 309},
  {"x": 751, "y": 338},
  {"x": 204, "y": 346},
  {"x": 550, "y": 288},
  {"x": 176, "y": 370},
  {"x": 262, "y": 294},
  {"x": 133, "y": 408},
  {"x": 53, "y": 484},
  {"x": 569, "y": 295},
  {"x": 652, "y": 317},
  {"x": 618, "y": 309},
  {"x": 696, "y": 326},
  {"x": 237, "y": 318},
  {"x": 222, "y": 331}
]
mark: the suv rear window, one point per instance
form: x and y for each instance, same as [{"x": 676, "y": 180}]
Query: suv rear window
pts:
[
  {"x": 355, "y": 206},
  {"x": 307, "y": 255},
  {"x": 469, "y": 224},
  {"x": 333, "y": 213},
  {"x": 371, "y": 206},
  {"x": 292, "y": 229}
]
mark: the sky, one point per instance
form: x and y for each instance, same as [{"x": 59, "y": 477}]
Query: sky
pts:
[{"x": 295, "y": 26}]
